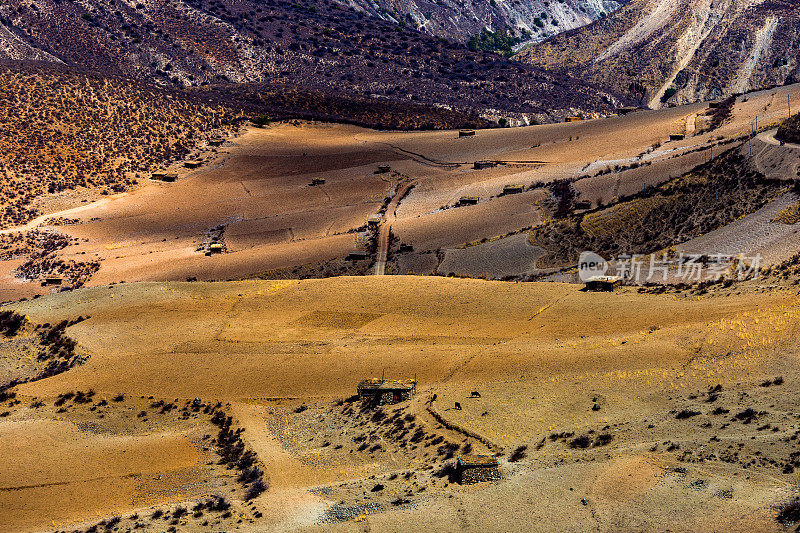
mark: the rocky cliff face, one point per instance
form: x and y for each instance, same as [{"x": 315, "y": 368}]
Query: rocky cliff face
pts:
[
  {"x": 530, "y": 20},
  {"x": 678, "y": 51}
]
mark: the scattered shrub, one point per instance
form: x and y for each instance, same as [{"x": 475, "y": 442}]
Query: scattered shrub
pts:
[
  {"x": 789, "y": 512},
  {"x": 518, "y": 454},
  {"x": 580, "y": 442},
  {"x": 10, "y": 323}
]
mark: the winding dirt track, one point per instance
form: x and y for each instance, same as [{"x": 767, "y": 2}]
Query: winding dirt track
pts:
[
  {"x": 41, "y": 219},
  {"x": 768, "y": 137}
]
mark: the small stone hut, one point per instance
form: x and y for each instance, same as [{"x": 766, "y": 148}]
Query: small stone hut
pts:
[
  {"x": 386, "y": 391},
  {"x": 514, "y": 188},
  {"x": 627, "y": 110},
  {"x": 603, "y": 283},
  {"x": 476, "y": 468},
  {"x": 164, "y": 176},
  {"x": 358, "y": 255}
]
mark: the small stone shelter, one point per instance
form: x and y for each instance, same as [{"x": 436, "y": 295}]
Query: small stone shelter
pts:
[
  {"x": 476, "y": 468},
  {"x": 627, "y": 110},
  {"x": 603, "y": 283},
  {"x": 386, "y": 391},
  {"x": 357, "y": 255},
  {"x": 164, "y": 176}
]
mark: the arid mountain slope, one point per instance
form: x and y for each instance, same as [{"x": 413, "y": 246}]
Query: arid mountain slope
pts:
[
  {"x": 681, "y": 51},
  {"x": 61, "y": 129},
  {"x": 316, "y": 45},
  {"x": 533, "y": 20}
]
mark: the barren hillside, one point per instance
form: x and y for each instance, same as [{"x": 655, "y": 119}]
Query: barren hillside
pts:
[
  {"x": 319, "y": 46},
  {"x": 679, "y": 51},
  {"x": 529, "y": 21}
]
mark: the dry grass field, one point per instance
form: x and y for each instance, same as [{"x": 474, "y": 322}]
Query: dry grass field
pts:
[{"x": 609, "y": 411}]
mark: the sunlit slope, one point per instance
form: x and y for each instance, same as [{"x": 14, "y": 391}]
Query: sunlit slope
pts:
[{"x": 319, "y": 337}]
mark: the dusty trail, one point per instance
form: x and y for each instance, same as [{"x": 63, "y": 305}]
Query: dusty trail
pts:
[
  {"x": 386, "y": 228},
  {"x": 38, "y": 221}
]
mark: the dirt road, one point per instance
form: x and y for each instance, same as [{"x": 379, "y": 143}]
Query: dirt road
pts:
[
  {"x": 768, "y": 137},
  {"x": 386, "y": 227}
]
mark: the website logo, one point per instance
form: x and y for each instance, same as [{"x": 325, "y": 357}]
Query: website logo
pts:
[{"x": 591, "y": 265}]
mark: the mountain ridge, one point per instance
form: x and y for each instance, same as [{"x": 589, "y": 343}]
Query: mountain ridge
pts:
[
  {"x": 459, "y": 20},
  {"x": 315, "y": 45},
  {"x": 681, "y": 51}
]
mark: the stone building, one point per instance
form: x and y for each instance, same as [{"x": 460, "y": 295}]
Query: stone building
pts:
[
  {"x": 477, "y": 468},
  {"x": 386, "y": 391},
  {"x": 358, "y": 255},
  {"x": 603, "y": 283},
  {"x": 164, "y": 176}
]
